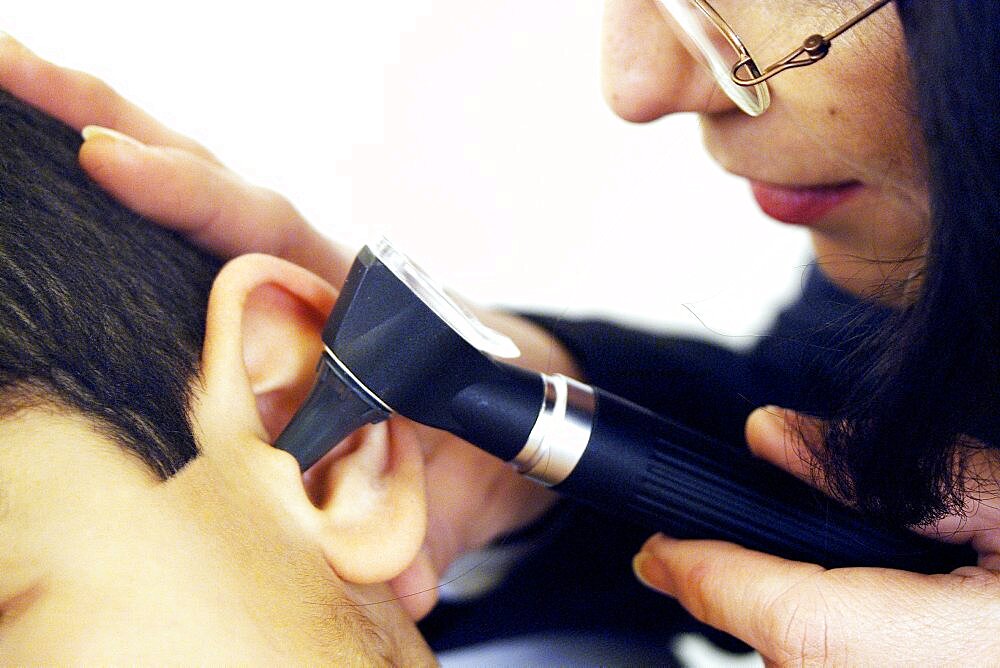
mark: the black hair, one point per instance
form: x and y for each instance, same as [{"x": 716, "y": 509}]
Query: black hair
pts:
[
  {"x": 935, "y": 387},
  {"x": 103, "y": 312}
]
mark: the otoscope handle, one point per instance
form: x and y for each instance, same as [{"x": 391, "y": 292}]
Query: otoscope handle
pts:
[{"x": 682, "y": 482}]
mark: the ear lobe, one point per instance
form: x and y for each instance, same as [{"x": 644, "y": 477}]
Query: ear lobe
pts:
[{"x": 373, "y": 501}]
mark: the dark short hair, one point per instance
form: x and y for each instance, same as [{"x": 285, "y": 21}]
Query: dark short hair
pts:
[{"x": 102, "y": 311}]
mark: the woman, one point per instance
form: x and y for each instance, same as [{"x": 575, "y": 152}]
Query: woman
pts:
[{"x": 886, "y": 150}]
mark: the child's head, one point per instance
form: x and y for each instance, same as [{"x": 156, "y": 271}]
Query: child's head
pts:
[{"x": 144, "y": 516}]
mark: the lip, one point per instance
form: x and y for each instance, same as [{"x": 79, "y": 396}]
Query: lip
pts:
[{"x": 801, "y": 205}]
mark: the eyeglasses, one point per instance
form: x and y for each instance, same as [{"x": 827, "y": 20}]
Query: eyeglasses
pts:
[{"x": 711, "y": 39}]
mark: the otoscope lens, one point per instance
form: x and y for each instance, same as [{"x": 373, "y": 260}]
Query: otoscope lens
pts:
[{"x": 456, "y": 316}]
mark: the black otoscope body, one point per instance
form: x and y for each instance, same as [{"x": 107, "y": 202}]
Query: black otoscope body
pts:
[{"x": 396, "y": 343}]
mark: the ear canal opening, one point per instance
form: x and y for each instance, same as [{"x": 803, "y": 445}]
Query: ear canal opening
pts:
[{"x": 336, "y": 407}]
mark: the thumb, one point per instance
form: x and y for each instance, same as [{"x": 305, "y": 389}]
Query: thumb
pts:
[{"x": 798, "y": 613}]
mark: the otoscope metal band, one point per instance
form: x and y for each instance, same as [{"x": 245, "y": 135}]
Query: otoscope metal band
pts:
[
  {"x": 357, "y": 381},
  {"x": 560, "y": 434}
]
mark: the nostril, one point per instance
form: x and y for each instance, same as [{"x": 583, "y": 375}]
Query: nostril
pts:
[{"x": 637, "y": 100}]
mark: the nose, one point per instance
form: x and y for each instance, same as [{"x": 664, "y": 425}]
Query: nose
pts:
[{"x": 646, "y": 72}]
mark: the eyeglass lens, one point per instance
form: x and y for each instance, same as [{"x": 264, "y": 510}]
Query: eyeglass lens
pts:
[{"x": 704, "y": 34}]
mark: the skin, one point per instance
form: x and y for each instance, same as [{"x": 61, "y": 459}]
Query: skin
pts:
[
  {"x": 791, "y": 612},
  {"x": 846, "y": 118},
  {"x": 232, "y": 560}
]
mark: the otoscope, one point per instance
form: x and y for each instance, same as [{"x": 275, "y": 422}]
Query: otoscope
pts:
[{"x": 396, "y": 342}]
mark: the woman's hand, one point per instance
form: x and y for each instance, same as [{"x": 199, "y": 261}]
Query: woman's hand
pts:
[
  {"x": 173, "y": 180},
  {"x": 472, "y": 497},
  {"x": 165, "y": 176},
  {"x": 798, "y": 613}
]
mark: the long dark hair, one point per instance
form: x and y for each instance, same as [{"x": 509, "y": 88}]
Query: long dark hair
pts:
[{"x": 935, "y": 389}]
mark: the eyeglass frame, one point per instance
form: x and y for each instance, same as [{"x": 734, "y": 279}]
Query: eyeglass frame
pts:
[{"x": 813, "y": 49}]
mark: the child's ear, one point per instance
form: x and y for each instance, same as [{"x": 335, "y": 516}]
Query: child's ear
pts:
[
  {"x": 281, "y": 347},
  {"x": 372, "y": 495},
  {"x": 366, "y": 502}
]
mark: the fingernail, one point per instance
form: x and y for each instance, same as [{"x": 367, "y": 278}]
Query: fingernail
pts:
[
  {"x": 657, "y": 541},
  {"x": 776, "y": 413},
  {"x": 9, "y": 40},
  {"x": 777, "y": 420},
  {"x": 767, "y": 424},
  {"x": 94, "y": 131},
  {"x": 652, "y": 574}
]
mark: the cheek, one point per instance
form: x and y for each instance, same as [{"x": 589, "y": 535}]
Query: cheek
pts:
[
  {"x": 850, "y": 116},
  {"x": 873, "y": 113}
]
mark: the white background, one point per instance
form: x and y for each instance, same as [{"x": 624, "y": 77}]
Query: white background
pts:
[{"x": 473, "y": 134}]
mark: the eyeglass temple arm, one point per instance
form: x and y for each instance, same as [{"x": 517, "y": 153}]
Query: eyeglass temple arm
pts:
[{"x": 814, "y": 48}]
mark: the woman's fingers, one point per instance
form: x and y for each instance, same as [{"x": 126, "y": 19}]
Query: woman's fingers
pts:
[
  {"x": 721, "y": 584},
  {"x": 786, "y": 439},
  {"x": 79, "y": 99},
  {"x": 783, "y": 437},
  {"x": 417, "y": 586},
  {"x": 978, "y": 523},
  {"x": 164, "y": 175},
  {"x": 207, "y": 203},
  {"x": 797, "y": 613}
]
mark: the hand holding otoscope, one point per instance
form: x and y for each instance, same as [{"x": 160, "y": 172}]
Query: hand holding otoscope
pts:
[{"x": 396, "y": 342}]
